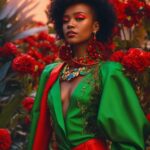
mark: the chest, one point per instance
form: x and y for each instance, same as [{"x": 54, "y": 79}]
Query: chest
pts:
[
  {"x": 77, "y": 92},
  {"x": 79, "y": 89},
  {"x": 82, "y": 102},
  {"x": 67, "y": 88}
]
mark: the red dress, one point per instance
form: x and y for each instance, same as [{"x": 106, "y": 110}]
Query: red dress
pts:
[{"x": 93, "y": 144}]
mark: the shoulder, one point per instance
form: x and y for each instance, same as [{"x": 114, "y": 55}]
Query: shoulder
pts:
[
  {"x": 48, "y": 69},
  {"x": 108, "y": 69},
  {"x": 110, "y": 66}
]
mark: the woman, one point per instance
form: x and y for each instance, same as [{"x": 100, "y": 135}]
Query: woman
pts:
[{"x": 84, "y": 100}]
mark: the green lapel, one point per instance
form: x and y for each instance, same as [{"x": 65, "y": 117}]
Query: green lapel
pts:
[{"x": 57, "y": 104}]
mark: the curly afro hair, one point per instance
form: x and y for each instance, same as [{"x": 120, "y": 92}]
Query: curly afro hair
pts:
[{"x": 104, "y": 11}]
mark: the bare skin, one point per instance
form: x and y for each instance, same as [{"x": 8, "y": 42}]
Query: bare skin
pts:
[
  {"x": 67, "y": 88},
  {"x": 83, "y": 24}
]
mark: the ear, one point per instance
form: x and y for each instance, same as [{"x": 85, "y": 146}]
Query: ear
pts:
[{"x": 96, "y": 26}]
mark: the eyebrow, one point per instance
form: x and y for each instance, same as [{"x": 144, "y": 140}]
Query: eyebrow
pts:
[{"x": 76, "y": 13}]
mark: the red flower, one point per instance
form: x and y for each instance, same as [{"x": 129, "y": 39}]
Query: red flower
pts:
[
  {"x": 148, "y": 117},
  {"x": 117, "y": 56},
  {"x": 135, "y": 11},
  {"x": 45, "y": 47},
  {"x": 8, "y": 50},
  {"x": 27, "y": 120},
  {"x": 31, "y": 41},
  {"x": 5, "y": 139},
  {"x": 24, "y": 64},
  {"x": 48, "y": 59},
  {"x": 39, "y": 68},
  {"x": 27, "y": 103},
  {"x": 128, "y": 12},
  {"x": 135, "y": 60},
  {"x": 54, "y": 48},
  {"x": 45, "y": 36},
  {"x": 34, "y": 53},
  {"x": 120, "y": 10}
]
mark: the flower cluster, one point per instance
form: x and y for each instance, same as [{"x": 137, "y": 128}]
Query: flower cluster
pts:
[
  {"x": 9, "y": 50},
  {"x": 136, "y": 63},
  {"x": 129, "y": 12},
  {"x": 134, "y": 60},
  {"x": 27, "y": 103},
  {"x": 133, "y": 24},
  {"x": 24, "y": 63},
  {"x": 21, "y": 63},
  {"x": 5, "y": 139},
  {"x": 38, "y": 51},
  {"x": 30, "y": 55}
]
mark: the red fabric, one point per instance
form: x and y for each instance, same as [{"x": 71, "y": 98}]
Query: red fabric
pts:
[
  {"x": 43, "y": 130},
  {"x": 92, "y": 144}
]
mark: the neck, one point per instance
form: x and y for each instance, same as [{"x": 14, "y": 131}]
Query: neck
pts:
[{"x": 80, "y": 50}]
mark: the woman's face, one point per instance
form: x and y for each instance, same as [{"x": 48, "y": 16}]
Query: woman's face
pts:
[{"x": 79, "y": 23}]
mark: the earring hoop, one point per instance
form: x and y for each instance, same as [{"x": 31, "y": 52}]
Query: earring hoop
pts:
[
  {"x": 94, "y": 35},
  {"x": 65, "y": 52}
]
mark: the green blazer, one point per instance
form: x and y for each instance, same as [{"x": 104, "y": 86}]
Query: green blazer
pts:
[{"x": 102, "y": 105}]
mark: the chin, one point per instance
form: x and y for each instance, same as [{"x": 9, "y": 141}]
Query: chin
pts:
[{"x": 73, "y": 42}]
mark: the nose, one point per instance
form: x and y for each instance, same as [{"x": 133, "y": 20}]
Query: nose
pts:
[{"x": 71, "y": 24}]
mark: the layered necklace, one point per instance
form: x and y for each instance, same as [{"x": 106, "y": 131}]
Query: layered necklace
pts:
[
  {"x": 70, "y": 73},
  {"x": 82, "y": 65},
  {"x": 77, "y": 67}
]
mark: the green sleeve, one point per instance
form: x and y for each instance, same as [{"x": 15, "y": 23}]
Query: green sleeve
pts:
[
  {"x": 36, "y": 106},
  {"x": 120, "y": 114}
]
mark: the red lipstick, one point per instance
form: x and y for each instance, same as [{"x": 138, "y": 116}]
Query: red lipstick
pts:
[{"x": 71, "y": 34}]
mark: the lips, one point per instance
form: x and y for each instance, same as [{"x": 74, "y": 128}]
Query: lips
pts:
[{"x": 71, "y": 34}]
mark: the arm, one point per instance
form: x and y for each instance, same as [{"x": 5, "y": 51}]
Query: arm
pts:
[{"x": 120, "y": 114}]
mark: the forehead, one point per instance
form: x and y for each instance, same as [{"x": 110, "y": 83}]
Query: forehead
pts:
[{"x": 79, "y": 7}]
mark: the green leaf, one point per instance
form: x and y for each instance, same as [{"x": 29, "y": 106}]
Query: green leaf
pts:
[{"x": 4, "y": 69}]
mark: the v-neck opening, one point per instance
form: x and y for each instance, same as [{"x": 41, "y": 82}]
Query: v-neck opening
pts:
[
  {"x": 71, "y": 96},
  {"x": 76, "y": 87},
  {"x": 57, "y": 100}
]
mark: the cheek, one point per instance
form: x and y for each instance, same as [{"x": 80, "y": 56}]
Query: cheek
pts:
[
  {"x": 64, "y": 28},
  {"x": 86, "y": 30}
]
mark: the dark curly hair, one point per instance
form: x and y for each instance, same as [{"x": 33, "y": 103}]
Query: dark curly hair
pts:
[{"x": 104, "y": 11}]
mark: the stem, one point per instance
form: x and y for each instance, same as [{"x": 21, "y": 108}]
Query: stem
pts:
[
  {"x": 130, "y": 34},
  {"x": 123, "y": 33}
]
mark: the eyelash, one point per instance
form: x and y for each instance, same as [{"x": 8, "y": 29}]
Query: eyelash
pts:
[
  {"x": 65, "y": 21},
  {"x": 77, "y": 18}
]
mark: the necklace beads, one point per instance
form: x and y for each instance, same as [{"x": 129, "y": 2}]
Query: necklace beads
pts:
[{"x": 70, "y": 73}]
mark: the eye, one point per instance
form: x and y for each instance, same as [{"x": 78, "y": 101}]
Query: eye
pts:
[
  {"x": 80, "y": 17},
  {"x": 65, "y": 19}
]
